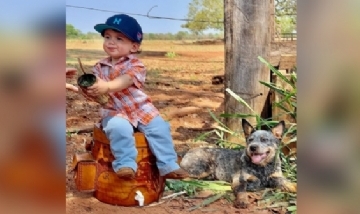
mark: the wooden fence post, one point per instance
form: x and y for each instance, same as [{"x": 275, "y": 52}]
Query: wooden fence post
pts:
[{"x": 247, "y": 36}]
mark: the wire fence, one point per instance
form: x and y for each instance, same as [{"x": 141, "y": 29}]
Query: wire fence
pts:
[
  {"x": 157, "y": 17},
  {"x": 279, "y": 36},
  {"x": 147, "y": 15}
]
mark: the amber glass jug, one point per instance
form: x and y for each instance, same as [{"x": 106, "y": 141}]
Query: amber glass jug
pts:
[{"x": 111, "y": 189}]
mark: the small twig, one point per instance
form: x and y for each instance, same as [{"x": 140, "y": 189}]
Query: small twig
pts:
[
  {"x": 156, "y": 204},
  {"x": 81, "y": 129},
  {"x": 82, "y": 68},
  {"x": 173, "y": 195}
]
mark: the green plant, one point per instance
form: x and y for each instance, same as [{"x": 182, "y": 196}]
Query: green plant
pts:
[
  {"x": 68, "y": 134},
  {"x": 192, "y": 186},
  {"x": 170, "y": 54},
  {"x": 287, "y": 103},
  {"x": 277, "y": 200},
  {"x": 219, "y": 188}
]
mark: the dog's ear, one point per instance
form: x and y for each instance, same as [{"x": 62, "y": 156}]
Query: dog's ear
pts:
[
  {"x": 248, "y": 129},
  {"x": 279, "y": 129}
]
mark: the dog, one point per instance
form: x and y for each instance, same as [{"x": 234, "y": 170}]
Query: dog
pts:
[{"x": 253, "y": 168}]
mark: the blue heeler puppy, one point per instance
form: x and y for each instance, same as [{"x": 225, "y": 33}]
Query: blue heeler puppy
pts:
[{"x": 256, "y": 167}]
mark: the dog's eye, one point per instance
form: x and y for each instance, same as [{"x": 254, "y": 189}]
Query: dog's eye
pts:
[
  {"x": 251, "y": 139},
  {"x": 262, "y": 139}
]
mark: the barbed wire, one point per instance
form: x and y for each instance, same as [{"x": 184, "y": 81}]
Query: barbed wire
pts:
[
  {"x": 146, "y": 15},
  {"x": 159, "y": 17}
]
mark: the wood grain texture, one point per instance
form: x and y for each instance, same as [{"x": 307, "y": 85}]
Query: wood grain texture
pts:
[{"x": 247, "y": 36}]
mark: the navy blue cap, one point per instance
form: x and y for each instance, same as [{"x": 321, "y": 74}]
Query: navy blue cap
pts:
[{"x": 124, "y": 24}]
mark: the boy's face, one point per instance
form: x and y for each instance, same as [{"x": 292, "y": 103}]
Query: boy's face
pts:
[{"x": 117, "y": 45}]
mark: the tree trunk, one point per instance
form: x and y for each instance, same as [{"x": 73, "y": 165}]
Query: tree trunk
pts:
[{"x": 247, "y": 36}]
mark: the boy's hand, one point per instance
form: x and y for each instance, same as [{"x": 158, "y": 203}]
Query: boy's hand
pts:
[
  {"x": 70, "y": 72},
  {"x": 72, "y": 87},
  {"x": 99, "y": 88}
]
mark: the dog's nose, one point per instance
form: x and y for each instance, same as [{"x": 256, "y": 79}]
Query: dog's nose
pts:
[{"x": 253, "y": 148}]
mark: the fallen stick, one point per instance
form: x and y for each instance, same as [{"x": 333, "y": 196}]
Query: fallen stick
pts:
[
  {"x": 173, "y": 195},
  {"x": 163, "y": 199},
  {"x": 82, "y": 129}
]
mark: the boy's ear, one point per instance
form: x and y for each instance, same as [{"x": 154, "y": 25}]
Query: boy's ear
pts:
[
  {"x": 279, "y": 129},
  {"x": 135, "y": 47},
  {"x": 248, "y": 129}
]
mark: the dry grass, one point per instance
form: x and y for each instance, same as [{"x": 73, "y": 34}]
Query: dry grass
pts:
[{"x": 190, "y": 58}]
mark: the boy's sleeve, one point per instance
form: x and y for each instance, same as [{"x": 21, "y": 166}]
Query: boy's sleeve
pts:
[
  {"x": 137, "y": 71},
  {"x": 96, "y": 70}
]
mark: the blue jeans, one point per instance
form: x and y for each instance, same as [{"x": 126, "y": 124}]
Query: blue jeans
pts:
[{"x": 122, "y": 143}]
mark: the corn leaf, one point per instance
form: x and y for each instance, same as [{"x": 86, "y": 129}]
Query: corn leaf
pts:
[
  {"x": 237, "y": 115},
  {"x": 238, "y": 98},
  {"x": 277, "y": 73},
  {"x": 274, "y": 87},
  {"x": 207, "y": 202}
]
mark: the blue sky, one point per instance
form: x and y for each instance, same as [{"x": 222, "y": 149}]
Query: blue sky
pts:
[{"x": 85, "y": 20}]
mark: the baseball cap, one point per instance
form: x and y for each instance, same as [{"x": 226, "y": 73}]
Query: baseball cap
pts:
[{"x": 124, "y": 24}]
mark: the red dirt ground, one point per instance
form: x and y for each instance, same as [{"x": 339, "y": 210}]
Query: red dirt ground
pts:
[{"x": 188, "y": 86}]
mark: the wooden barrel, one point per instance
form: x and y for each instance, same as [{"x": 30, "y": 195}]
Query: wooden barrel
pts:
[{"x": 111, "y": 189}]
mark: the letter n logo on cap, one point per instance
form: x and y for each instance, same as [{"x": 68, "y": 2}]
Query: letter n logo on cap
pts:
[{"x": 117, "y": 21}]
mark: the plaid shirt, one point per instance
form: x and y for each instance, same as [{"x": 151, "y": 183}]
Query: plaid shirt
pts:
[{"x": 131, "y": 103}]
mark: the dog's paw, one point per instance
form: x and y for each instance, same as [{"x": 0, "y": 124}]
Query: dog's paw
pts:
[
  {"x": 241, "y": 204},
  {"x": 241, "y": 200},
  {"x": 289, "y": 187}
]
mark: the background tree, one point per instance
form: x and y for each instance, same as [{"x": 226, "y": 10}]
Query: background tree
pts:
[
  {"x": 181, "y": 35},
  {"x": 286, "y": 24},
  {"x": 72, "y": 32},
  {"x": 285, "y": 15},
  {"x": 207, "y": 10},
  {"x": 213, "y": 10}
]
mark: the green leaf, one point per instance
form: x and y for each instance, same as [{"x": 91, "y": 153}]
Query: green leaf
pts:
[
  {"x": 277, "y": 73},
  {"x": 294, "y": 77},
  {"x": 291, "y": 208},
  {"x": 217, "y": 120},
  {"x": 207, "y": 201},
  {"x": 281, "y": 106},
  {"x": 224, "y": 130},
  {"x": 238, "y": 98},
  {"x": 236, "y": 115},
  {"x": 203, "y": 136},
  {"x": 269, "y": 124},
  {"x": 272, "y": 86}
]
